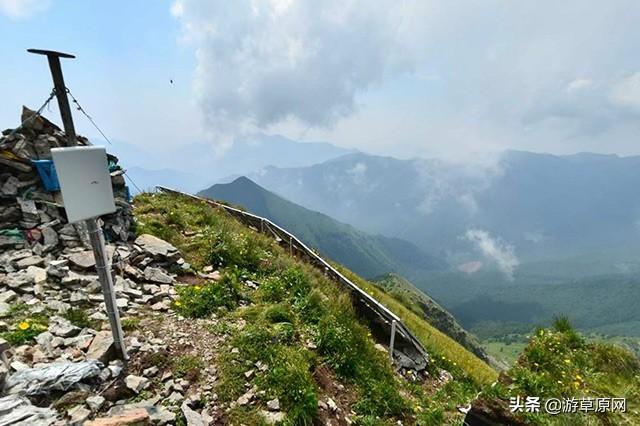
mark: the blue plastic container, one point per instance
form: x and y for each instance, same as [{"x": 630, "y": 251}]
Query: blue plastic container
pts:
[{"x": 47, "y": 171}]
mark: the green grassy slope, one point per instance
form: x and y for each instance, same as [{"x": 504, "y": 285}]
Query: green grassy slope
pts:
[
  {"x": 367, "y": 255},
  {"x": 299, "y": 321},
  {"x": 560, "y": 363}
]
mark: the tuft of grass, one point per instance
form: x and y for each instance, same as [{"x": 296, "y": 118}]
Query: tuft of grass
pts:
[
  {"x": 130, "y": 323},
  {"x": 290, "y": 379},
  {"x": 188, "y": 366},
  {"x": 197, "y": 301},
  {"x": 80, "y": 318},
  {"x": 278, "y": 314}
]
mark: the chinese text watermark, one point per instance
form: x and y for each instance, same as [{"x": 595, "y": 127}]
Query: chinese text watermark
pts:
[{"x": 534, "y": 404}]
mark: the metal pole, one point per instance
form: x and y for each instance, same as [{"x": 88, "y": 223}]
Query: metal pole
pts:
[
  {"x": 95, "y": 233},
  {"x": 104, "y": 273},
  {"x": 393, "y": 338},
  {"x": 61, "y": 91}
]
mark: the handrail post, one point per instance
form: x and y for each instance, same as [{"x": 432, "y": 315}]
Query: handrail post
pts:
[{"x": 393, "y": 339}]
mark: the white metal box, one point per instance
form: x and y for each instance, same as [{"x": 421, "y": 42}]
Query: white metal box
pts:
[{"x": 84, "y": 181}]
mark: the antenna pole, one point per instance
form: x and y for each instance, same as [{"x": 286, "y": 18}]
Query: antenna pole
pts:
[
  {"x": 60, "y": 90},
  {"x": 95, "y": 232}
]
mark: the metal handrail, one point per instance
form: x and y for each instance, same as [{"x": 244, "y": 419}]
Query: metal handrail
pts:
[{"x": 260, "y": 223}]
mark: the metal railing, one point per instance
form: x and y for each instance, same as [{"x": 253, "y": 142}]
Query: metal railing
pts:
[{"x": 404, "y": 348}]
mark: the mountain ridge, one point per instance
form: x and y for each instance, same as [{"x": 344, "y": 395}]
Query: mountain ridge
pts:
[{"x": 365, "y": 254}]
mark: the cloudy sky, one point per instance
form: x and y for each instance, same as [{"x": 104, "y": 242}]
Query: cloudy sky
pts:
[{"x": 402, "y": 78}]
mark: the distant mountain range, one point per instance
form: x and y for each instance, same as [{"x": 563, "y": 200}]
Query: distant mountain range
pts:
[
  {"x": 367, "y": 255},
  {"x": 522, "y": 205},
  {"x": 191, "y": 167}
]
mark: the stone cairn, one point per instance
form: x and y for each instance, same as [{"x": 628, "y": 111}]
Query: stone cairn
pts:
[
  {"x": 48, "y": 268},
  {"x": 32, "y": 217}
]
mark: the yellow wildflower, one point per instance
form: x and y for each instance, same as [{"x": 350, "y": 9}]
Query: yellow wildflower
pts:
[
  {"x": 197, "y": 287},
  {"x": 23, "y": 325},
  {"x": 567, "y": 361},
  {"x": 178, "y": 303}
]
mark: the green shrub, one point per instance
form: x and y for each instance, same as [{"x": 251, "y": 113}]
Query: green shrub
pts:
[
  {"x": 242, "y": 249},
  {"x": 342, "y": 342},
  {"x": 311, "y": 307},
  {"x": 291, "y": 285},
  {"x": 272, "y": 289},
  {"x": 278, "y": 313},
  {"x": 289, "y": 378},
  {"x": 379, "y": 396},
  {"x": 256, "y": 342},
  {"x": 200, "y": 301},
  {"x": 296, "y": 282},
  {"x": 564, "y": 326},
  {"x": 285, "y": 332}
]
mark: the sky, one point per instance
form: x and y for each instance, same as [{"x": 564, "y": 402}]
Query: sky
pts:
[{"x": 392, "y": 77}]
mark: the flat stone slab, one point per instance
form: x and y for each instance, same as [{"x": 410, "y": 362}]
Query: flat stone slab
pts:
[
  {"x": 102, "y": 347},
  {"x": 29, "y": 261},
  {"x": 83, "y": 259},
  {"x": 155, "y": 246}
]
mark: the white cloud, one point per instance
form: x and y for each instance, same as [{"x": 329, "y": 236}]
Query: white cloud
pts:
[
  {"x": 470, "y": 267},
  {"x": 264, "y": 62},
  {"x": 579, "y": 84},
  {"x": 358, "y": 173},
  {"x": 626, "y": 92},
  {"x": 412, "y": 77},
  {"x": 20, "y": 9},
  {"x": 502, "y": 253}
]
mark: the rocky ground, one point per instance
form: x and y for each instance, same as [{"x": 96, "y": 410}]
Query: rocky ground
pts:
[
  {"x": 68, "y": 374},
  {"x": 38, "y": 293},
  {"x": 57, "y": 358}
]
